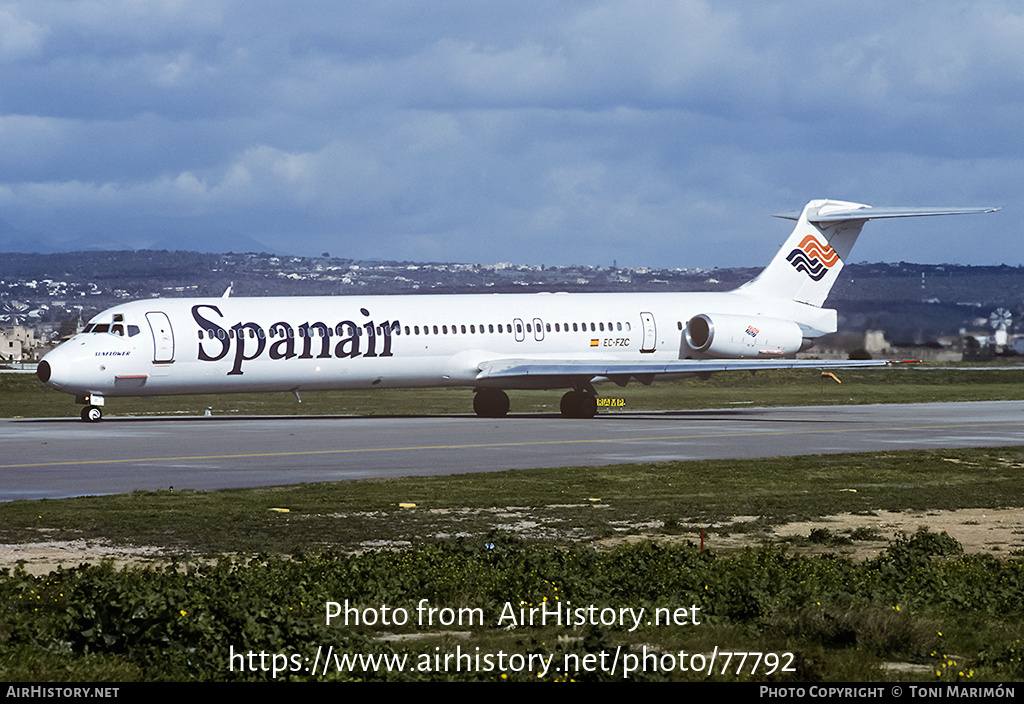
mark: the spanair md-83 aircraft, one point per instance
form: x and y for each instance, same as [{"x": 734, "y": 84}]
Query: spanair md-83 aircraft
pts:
[{"x": 489, "y": 342}]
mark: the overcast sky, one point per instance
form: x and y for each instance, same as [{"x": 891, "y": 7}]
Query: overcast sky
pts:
[{"x": 651, "y": 133}]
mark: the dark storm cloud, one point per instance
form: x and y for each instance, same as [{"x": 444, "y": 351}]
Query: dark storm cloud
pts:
[{"x": 655, "y": 133}]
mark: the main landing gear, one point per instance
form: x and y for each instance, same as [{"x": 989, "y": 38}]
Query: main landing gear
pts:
[
  {"x": 490, "y": 403},
  {"x": 578, "y": 404},
  {"x": 493, "y": 403}
]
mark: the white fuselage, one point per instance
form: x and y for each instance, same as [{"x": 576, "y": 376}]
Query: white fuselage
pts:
[{"x": 221, "y": 345}]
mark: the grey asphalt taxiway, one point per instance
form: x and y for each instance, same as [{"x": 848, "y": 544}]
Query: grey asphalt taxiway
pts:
[{"x": 50, "y": 458}]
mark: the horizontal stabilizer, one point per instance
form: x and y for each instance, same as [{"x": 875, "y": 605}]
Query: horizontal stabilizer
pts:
[{"x": 827, "y": 214}]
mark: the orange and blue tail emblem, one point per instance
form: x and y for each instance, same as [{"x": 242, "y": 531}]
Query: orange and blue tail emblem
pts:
[{"x": 813, "y": 258}]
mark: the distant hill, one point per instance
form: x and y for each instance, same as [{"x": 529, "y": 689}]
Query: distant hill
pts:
[{"x": 911, "y": 302}]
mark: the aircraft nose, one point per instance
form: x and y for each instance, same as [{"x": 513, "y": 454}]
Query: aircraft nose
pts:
[{"x": 52, "y": 370}]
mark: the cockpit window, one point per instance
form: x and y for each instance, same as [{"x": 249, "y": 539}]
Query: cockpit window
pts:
[{"x": 118, "y": 327}]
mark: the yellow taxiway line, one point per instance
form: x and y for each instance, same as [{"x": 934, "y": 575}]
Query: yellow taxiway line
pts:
[{"x": 529, "y": 443}]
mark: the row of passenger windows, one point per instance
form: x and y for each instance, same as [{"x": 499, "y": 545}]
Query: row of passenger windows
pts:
[
  {"x": 321, "y": 330},
  {"x": 518, "y": 327}
]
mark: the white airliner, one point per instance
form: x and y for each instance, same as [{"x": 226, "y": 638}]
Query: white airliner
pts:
[{"x": 489, "y": 342}]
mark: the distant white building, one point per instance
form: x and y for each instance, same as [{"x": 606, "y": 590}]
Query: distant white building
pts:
[
  {"x": 17, "y": 344},
  {"x": 875, "y": 342}
]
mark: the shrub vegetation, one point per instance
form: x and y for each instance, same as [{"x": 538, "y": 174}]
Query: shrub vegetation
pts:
[{"x": 916, "y": 603}]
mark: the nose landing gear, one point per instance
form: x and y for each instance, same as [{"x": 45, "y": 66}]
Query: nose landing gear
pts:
[{"x": 93, "y": 411}]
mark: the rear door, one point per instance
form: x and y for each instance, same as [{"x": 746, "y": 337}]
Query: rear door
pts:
[{"x": 650, "y": 333}]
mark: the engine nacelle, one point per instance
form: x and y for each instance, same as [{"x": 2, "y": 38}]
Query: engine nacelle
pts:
[{"x": 722, "y": 335}]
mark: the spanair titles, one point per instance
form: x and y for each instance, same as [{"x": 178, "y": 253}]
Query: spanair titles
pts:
[{"x": 281, "y": 340}]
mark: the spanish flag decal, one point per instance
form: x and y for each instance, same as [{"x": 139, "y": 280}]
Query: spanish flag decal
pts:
[{"x": 594, "y": 343}]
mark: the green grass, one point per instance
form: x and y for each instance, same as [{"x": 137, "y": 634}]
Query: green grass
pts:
[
  {"x": 23, "y": 396},
  {"x": 564, "y": 505}
]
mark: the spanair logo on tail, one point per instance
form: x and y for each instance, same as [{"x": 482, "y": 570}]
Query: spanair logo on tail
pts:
[{"x": 813, "y": 258}]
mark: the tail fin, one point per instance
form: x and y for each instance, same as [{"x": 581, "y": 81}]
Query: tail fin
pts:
[{"x": 809, "y": 262}]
